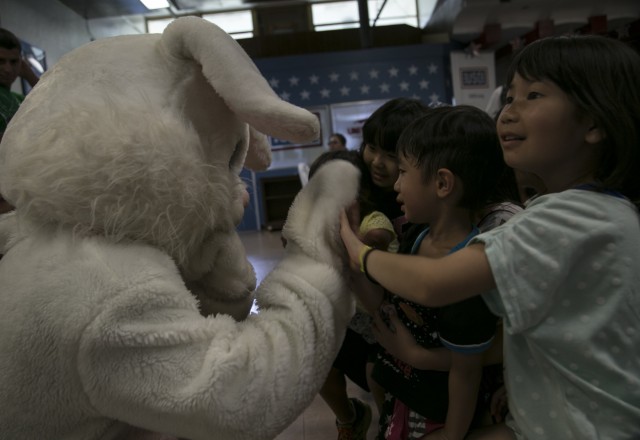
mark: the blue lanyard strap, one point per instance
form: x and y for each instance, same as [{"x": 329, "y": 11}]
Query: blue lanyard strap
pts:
[{"x": 416, "y": 244}]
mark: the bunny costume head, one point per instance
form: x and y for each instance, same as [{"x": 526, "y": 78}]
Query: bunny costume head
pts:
[{"x": 122, "y": 271}]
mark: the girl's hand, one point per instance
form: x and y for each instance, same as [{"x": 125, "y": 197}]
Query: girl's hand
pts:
[{"x": 351, "y": 241}]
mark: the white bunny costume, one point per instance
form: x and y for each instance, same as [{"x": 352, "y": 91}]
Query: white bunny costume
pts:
[{"x": 123, "y": 164}]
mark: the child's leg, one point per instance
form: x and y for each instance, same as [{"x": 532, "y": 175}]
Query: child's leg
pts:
[
  {"x": 386, "y": 414},
  {"x": 493, "y": 432},
  {"x": 376, "y": 390},
  {"x": 334, "y": 393}
]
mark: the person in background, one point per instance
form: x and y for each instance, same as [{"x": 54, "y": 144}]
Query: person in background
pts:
[
  {"x": 12, "y": 66},
  {"x": 337, "y": 142},
  {"x": 561, "y": 274}
]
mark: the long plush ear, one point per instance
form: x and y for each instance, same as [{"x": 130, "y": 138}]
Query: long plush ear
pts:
[
  {"x": 259, "y": 152},
  {"x": 237, "y": 81}
]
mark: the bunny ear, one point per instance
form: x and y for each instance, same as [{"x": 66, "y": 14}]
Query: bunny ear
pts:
[
  {"x": 237, "y": 80},
  {"x": 259, "y": 152}
]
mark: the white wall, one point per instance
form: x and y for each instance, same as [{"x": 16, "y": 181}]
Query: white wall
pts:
[
  {"x": 112, "y": 27},
  {"x": 51, "y": 26},
  {"x": 46, "y": 24}
]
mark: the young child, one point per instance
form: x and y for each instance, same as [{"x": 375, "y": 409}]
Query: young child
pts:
[
  {"x": 561, "y": 274},
  {"x": 380, "y": 134},
  {"x": 450, "y": 163},
  {"x": 353, "y": 416}
]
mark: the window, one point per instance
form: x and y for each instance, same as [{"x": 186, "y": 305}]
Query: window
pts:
[
  {"x": 344, "y": 14},
  {"x": 393, "y": 12},
  {"x": 238, "y": 24},
  {"x": 157, "y": 25},
  {"x": 336, "y": 15}
]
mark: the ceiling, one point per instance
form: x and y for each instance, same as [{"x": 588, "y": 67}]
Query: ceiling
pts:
[
  {"x": 490, "y": 24},
  {"x": 518, "y": 17}
]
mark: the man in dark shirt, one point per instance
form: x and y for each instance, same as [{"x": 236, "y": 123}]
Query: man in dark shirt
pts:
[{"x": 12, "y": 65}]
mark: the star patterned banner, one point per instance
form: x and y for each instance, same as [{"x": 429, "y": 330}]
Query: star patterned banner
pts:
[{"x": 336, "y": 79}]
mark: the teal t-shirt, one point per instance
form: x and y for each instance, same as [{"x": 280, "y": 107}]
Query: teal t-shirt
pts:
[
  {"x": 9, "y": 104},
  {"x": 568, "y": 289}
]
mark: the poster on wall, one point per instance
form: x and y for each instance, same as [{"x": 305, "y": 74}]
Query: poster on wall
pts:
[
  {"x": 322, "y": 113},
  {"x": 349, "y": 117},
  {"x": 473, "y": 78}
]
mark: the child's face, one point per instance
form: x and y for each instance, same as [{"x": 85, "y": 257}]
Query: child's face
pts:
[
  {"x": 382, "y": 165},
  {"x": 541, "y": 133},
  {"x": 416, "y": 197},
  {"x": 9, "y": 66}
]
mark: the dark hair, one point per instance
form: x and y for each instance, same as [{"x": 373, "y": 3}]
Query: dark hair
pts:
[
  {"x": 382, "y": 129},
  {"x": 364, "y": 194},
  {"x": 462, "y": 139},
  {"x": 343, "y": 140},
  {"x": 600, "y": 75},
  {"x": 8, "y": 40},
  {"x": 384, "y": 126}
]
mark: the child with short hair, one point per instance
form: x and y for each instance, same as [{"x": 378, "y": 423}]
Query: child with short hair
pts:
[
  {"x": 450, "y": 163},
  {"x": 562, "y": 274}
]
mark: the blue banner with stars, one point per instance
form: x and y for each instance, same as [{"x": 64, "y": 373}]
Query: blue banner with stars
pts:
[{"x": 418, "y": 71}]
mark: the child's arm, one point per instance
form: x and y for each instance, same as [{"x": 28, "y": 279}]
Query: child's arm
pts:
[
  {"x": 396, "y": 339},
  {"x": 399, "y": 342},
  {"x": 464, "y": 384},
  {"x": 427, "y": 281},
  {"x": 369, "y": 295}
]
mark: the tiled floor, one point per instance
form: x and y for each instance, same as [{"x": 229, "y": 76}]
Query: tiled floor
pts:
[{"x": 264, "y": 250}]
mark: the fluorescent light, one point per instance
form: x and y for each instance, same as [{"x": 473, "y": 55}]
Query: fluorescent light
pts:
[{"x": 155, "y": 4}]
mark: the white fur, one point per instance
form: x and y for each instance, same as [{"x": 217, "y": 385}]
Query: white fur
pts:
[{"x": 124, "y": 164}]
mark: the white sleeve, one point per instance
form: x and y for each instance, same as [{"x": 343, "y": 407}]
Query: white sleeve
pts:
[
  {"x": 149, "y": 359},
  {"x": 534, "y": 256}
]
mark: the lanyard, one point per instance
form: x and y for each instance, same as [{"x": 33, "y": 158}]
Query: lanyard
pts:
[{"x": 416, "y": 244}]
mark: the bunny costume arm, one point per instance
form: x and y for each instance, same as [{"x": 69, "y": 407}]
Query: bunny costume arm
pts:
[
  {"x": 116, "y": 339},
  {"x": 230, "y": 380}
]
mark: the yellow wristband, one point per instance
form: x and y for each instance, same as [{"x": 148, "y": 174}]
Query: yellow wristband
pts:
[{"x": 363, "y": 252}]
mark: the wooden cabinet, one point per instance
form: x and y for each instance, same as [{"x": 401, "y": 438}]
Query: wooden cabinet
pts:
[{"x": 277, "y": 195}]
